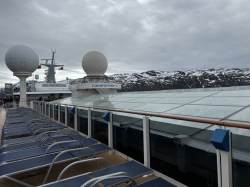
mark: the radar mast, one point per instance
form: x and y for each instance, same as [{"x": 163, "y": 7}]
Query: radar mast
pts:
[{"x": 50, "y": 74}]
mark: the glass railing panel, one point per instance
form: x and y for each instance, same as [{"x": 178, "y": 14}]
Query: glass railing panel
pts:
[
  {"x": 156, "y": 107},
  {"x": 195, "y": 94},
  {"x": 145, "y": 99},
  {"x": 242, "y": 115},
  {"x": 157, "y": 94},
  {"x": 82, "y": 120},
  {"x": 99, "y": 127},
  {"x": 178, "y": 100},
  {"x": 231, "y": 93},
  {"x": 205, "y": 111},
  {"x": 56, "y": 114},
  {"x": 191, "y": 161},
  {"x": 43, "y": 108},
  {"x": 47, "y": 109},
  {"x": 51, "y": 110},
  {"x": 62, "y": 114},
  {"x": 121, "y": 99},
  {"x": 241, "y": 157},
  {"x": 128, "y": 135},
  {"x": 229, "y": 101},
  {"x": 70, "y": 117}
]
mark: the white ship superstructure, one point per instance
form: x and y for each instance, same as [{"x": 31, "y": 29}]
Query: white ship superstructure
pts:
[{"x": 49, "y": 89}]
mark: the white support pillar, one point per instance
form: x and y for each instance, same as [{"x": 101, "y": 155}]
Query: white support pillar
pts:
[
  {"x": 31, "y": 105},
  {"x": 66, "y": 115},
  {"x": 45, "y": 108},
  {"x": 218, "y": 167},
  {"x": 110, "y": 132},
  {"x": 226, "y": 166},
  {"x": 221, "y": 140},
  {"x": 146, "y": 142},
  {"x": 22, "y": 101},
  {"x": 89, "y": 123},
  {"x": 75, "y": 119},
  {"x": 59, "y": 113}
]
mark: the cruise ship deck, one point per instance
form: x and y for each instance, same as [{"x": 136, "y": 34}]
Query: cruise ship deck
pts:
[
  {"x": 192, "y": 137},
  {"x": 36, "y": 178}
]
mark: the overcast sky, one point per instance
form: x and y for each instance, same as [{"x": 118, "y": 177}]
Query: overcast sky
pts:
[{"x": 134, "y": 35}]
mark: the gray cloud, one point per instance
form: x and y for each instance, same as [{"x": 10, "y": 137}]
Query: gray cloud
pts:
[{"x": 134, "y": 35}]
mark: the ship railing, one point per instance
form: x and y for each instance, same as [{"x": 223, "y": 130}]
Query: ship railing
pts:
[{"x": 167, "y": 143}]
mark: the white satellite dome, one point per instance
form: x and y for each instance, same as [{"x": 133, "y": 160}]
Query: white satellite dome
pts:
[
  {"x": 21, "y": 60},
  {"x": 94, "y": 63}
]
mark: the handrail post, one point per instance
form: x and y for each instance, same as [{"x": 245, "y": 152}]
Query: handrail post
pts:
[
  {"x": 49, "y": 111},
  {"x": 221, "y": 140},
  {"x": 226, "y": 165},
  {"x": 66, "y": 115},
  {"x": 89, "y": 123},
  {"x": 75, "y": 118},
  {"x": 218, "y": 167},
  {"x": 59, "y": 114},
  {"x": 53, "y": 111},
  {"x": 146, "y": 142},
  {"x": 110, "y": 132},
  {"x": 45, "y": 108}
]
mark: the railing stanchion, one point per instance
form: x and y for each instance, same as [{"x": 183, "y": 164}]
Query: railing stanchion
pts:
[
  {"x": 75, "y": 118},
  {"x": 110, "y": 132},
  {"x": 45, "y": 108},
  {"x": 66, "y": 115},
  {"x": 49, "y": 110},
  {"x": 146, "y": 141},
  {"x": 59, "y": 114},
  {"x": 89, "y": 123},
  {"x": 218, "y": 167},
  {"x": 53, "y": 111}
]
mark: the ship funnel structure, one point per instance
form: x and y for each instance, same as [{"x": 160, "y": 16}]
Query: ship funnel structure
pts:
[{"x": 22, "y": 61}]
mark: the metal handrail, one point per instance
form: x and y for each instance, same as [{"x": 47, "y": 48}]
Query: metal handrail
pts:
[
  {"x": 80, "y": 162},
  {"x": 118, "y": 175},
  {"x": 59, "y": 154},
  {"x": 225, "y": 123},
  {"x": 61, "y": 142}
]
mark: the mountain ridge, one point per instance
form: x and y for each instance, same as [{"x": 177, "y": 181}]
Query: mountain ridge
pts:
[{"x": 163, "y": 80}]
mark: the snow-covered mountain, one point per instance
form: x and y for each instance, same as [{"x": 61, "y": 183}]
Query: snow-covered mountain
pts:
[
  {"x": 204, "y": 78},
  {"x": 162, "y": 80}
]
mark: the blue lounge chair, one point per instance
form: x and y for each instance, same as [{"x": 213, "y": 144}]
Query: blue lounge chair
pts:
[
  {"x": 132, "y": 168},
  {"x": 55, "y": 147},
  {"x": 45, "y": 142},
  {"x": 26, "y": 132},
  {"x": 39, "y": 137},
  {"x": 35, "y": 163}
]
